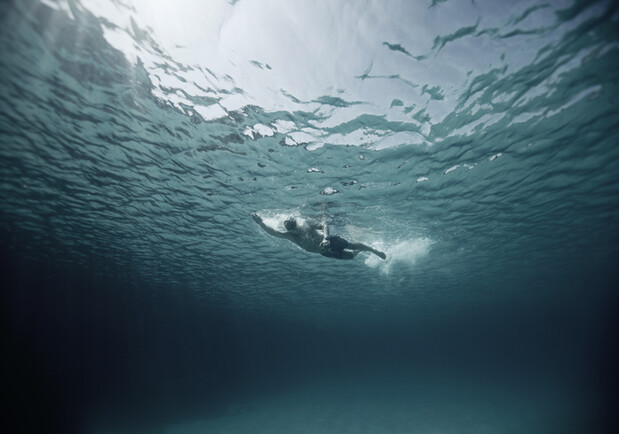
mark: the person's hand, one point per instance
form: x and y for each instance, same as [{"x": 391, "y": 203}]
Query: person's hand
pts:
[
  {"x": 256, "y": 217},
  {"x": 325, "y": 243}
]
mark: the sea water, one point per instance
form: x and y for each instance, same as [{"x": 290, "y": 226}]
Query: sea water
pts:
[{"x": 474, "y": 142}]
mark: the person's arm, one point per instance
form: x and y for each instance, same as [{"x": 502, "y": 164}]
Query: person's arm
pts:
[
  {"x": 322, "y": 227},
  {"x": 268, "y": 229},
  {"x": 325, "y": 234}
]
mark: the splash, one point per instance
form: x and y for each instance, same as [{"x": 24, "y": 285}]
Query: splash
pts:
[
  {"x": 275, "y": 218},
  {"x": 404, "y": 252}
]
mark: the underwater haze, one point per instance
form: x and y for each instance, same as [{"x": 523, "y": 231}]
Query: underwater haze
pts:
[{"x": 475, "y": 142}]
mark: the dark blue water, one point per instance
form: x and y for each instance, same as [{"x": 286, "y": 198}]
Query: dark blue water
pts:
[{"x": 475, "y": 143}]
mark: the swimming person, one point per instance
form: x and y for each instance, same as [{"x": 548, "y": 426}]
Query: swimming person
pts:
[{"x": 315, "y": 238}]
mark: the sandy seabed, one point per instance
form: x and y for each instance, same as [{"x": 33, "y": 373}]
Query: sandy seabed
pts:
[{"x": 388, "y": 408}]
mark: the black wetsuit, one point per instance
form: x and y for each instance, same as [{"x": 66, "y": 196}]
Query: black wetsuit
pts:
[{"x": 336, "y": 247}]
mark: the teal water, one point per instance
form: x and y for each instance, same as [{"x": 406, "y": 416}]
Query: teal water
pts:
[{"x": 474, "y": 142}]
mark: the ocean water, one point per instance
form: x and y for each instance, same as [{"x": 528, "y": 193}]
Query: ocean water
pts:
[{"x": 475, "y": 142}]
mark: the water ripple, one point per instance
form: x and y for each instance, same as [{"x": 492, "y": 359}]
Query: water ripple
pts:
[{"x": 496, "y": 134}]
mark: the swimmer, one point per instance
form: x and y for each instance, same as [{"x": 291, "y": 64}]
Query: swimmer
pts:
[{"x": 315, "y": 238}]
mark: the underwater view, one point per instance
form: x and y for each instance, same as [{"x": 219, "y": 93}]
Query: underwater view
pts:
[{"x": 330, "y": 216}]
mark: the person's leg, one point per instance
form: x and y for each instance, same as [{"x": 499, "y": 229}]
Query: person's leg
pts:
[
  {"x": 348, "y": 254},
  {"x": 362, "y": 247},
  {"x": 359, "y": 246},
  {"x": 340, "y": 254}
]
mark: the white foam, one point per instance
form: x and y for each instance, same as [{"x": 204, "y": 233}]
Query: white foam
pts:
[
  {"x": 211, "y": 112},
  {"x": 398, "y": 139},
  {"x": 303, "y": 137},
  {"x": 404, "y": 252},
  {"x": 248, "y": 132},
  {"x": 275, "y": 218},
  {"x": 329, "y": 191},
  {"x": 263, "y": 130},
  {"x": 451, "y": 169}
]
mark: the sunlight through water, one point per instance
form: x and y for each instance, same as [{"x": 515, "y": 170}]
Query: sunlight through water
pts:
[{"x": 474, "y": 142}]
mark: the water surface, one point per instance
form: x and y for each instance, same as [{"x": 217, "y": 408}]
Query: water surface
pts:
[{"x": 474, "y": 142}]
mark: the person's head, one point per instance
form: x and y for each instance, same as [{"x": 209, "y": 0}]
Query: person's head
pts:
[{"x": 290, "y": 223}]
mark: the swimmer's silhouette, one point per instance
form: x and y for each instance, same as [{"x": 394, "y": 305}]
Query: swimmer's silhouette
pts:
[{"x": 315, "y": 238}]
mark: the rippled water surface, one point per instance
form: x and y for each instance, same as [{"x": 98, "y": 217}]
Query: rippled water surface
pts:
[{"x": 475, "y": 142}]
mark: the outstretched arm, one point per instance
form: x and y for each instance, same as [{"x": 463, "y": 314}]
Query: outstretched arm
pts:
[{"x": 268, "y": 229}]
